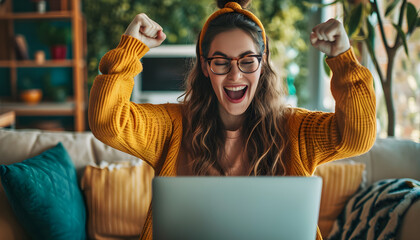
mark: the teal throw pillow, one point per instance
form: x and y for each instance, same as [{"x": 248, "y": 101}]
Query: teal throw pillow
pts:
[{"x": 45, "y": 196}]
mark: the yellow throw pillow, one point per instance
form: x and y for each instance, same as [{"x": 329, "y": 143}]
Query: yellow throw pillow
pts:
[
  {"x": 117, "y": 199},
  {"x": 340, "y": 182}
]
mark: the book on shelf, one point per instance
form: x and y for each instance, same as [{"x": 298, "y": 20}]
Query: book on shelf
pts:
[
  {"x": 21, "y": 47},
  {"x": 4, "y": 48},
  {"x": 3, "y": 6},
  {"x": 55, "y": 5}
]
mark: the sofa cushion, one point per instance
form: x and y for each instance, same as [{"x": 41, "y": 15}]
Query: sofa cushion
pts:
[
  {"x": 117, "y": 197},
  {"x": 340, "y": 182},
  {"x": 391, "y": 158},
  {"x": 83, "y": 148},
  {"x": 10, "y": 228},
  {"x": 44, "y": 195},
  {"x": 377, "y": 211}
]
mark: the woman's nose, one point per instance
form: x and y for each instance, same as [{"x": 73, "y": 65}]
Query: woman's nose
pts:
[{"x": 234, "y": 72}]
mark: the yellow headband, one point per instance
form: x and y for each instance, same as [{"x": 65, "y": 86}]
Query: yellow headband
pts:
[{"x": 228, "y": 8}]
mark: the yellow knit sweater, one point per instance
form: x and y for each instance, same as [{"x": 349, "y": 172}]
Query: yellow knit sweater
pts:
[{"x": 154, "y": 132}]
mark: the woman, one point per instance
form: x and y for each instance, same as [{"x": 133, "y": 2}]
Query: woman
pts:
[{"x": 232, "y": 121}]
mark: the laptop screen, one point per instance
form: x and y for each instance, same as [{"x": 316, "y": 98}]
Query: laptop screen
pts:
[{"x": 235, "y": 207}]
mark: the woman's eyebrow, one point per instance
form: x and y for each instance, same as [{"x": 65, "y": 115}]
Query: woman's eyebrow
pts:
[
  {"x": 246, "y": 53},
  {"x": 224, "y": 55},
  {"x": 219, "y": 53}
]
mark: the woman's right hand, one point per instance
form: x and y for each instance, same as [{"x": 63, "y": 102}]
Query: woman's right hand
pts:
[{"x": 146, "y": 30}]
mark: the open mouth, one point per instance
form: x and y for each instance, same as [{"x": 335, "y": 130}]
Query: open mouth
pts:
[{"x": 236, "y": 94}]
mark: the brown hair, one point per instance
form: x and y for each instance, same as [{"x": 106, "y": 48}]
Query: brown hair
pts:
[{"x": 264, "y": 123}]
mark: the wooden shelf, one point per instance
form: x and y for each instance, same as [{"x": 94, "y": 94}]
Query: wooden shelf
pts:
[
  {"x": 76, "y": 106},
  {"x": 33, "y": 64},
  {"x": 35, "y": 15},
  {"x": 40, "y": 109}
]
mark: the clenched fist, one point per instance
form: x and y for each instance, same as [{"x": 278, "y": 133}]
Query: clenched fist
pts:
[
  {"x": 146, "y": 30},
  {"x": 330, "y": 38}
]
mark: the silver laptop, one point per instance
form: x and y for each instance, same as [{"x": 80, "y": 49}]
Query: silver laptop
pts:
[{"x": 229, "y": 208}]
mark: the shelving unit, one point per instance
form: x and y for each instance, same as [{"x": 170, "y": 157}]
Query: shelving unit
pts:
[
  {"x": 75, "y": 106},
  {"x": 30, "y": 16}
]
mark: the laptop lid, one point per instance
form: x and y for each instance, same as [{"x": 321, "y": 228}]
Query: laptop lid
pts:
[{"x": 217, "y": 208}]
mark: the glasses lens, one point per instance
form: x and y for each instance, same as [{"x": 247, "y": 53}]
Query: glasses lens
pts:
[
  {"x": 220, "y": 65},
  {"x": 248, "y": 64}
]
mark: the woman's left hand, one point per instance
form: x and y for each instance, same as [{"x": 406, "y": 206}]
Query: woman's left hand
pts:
[{"x": 330, "y": 38}]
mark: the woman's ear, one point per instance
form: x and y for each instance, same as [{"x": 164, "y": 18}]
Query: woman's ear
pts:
[{"x": 204, "y": 67}]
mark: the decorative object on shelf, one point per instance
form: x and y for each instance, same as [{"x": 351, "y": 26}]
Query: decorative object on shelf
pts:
[
  {"x": 21, "y": 47},
  {"x": 39, "y": 56},
  {"x": 58, "y": 52},
  {"x": 29, "y": 93},
  {"x": 41, "y": 6},
  {"x": 55, "y": 93},
  {"x": 3, "y": 6},
  {"x": 57, "y": 38},
  {"x": 49, "y": 125},
  {"x": 31, "y": 96},
  {"x": 59, "y": 94},
  {"x": 58, "y": 5}
]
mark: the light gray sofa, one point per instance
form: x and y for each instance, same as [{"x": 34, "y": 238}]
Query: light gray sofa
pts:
[{"x": 389, "y": 158}]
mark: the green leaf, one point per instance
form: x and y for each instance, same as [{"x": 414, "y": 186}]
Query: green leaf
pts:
[
  {"x": 327, "y": 69},
  {"x": 371, "y": 33},
  {"x": 411, "y": 17},
  {"x": 391, "y": 7},
  {"x": 369, "y": 9},
  {"x": 355, "y": 20},
  {"x": 319, "y": 5},
  {"x": 403, "y": 37}
]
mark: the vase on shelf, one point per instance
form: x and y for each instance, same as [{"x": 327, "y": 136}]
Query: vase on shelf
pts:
[
  {"x": 41, "y": 6},
  {"x": 31, "y": 96},
  {"x": 58, "y": 52}
]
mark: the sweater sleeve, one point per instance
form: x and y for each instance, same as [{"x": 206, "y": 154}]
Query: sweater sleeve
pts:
[
  {"x": 351, "y": 129},
  {"x": 142, "y": 130}
]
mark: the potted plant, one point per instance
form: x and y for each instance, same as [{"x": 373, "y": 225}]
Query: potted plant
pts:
[
  {"x": 360, "y": 18},
  {"x": 56, "y": 37},
  {"x": 56, "y": 93}
]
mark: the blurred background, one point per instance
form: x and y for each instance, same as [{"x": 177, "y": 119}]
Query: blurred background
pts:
[{"x": 88, "y": 29}]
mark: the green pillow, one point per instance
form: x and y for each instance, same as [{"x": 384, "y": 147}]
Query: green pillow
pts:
[{"x": 45, "y": 196}]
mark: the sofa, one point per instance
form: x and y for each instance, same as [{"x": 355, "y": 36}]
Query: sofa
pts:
[{"x": 388, "y": 158}]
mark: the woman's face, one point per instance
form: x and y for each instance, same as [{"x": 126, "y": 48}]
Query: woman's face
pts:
[{"x": 234, "y": 90}]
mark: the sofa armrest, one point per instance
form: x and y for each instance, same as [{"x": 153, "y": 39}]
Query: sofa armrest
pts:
[{"x": 409, "y": 229}]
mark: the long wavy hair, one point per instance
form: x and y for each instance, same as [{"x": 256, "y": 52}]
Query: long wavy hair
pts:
[{"x": 263, "y": 127}]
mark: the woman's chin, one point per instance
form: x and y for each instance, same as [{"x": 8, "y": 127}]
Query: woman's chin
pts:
[{"x": 236, "y": 109}]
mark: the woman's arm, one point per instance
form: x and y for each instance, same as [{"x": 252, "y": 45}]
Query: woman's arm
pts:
[
  {"x": 351, "y": 129},
  {"x": 142, "y": 130}
]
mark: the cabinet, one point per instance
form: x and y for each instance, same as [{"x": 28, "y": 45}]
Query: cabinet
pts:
[{"x": 73, "y": 106}]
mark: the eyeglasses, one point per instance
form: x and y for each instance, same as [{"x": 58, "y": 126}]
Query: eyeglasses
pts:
[{"x": 246, "y": 64}]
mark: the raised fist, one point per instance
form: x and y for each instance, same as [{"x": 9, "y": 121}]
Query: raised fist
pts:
[
  {"x": 146, "y": 30},
  {"x": 330, "y": 38}
]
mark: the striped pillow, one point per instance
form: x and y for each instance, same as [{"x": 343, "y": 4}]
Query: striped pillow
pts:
[
  {"x": 117, "y": 199},
  {"x": 340, "y": 182}
]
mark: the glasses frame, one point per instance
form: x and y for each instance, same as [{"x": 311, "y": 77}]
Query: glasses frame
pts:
[{"x": 258, "y": 56}]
